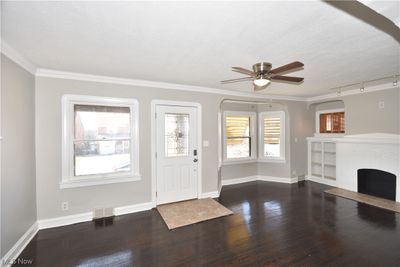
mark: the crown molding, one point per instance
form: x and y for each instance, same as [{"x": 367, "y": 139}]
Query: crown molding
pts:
[
  {"x": 13, "y": 54},
  {"x": 370, "y": 89},
  {"x": 153, "y": 84}
]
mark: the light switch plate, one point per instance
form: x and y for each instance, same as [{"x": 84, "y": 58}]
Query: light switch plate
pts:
[
  {"x": 381, "y": 104},
  {"x": 205, "y": 143}
]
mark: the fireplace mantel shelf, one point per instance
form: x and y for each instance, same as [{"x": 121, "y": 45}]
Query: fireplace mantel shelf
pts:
[{"x": 373, "y": 138}]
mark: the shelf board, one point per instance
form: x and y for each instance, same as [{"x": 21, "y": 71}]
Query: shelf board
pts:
[
  {"x": 330, "y": 165},
  {"x": 330, "y": 152},
  {"x": 316, "y": 163},
  {"x": 316, "y": 151},
  {"x": 316, "y": 175},
  {"x": 330, "y": 177}
]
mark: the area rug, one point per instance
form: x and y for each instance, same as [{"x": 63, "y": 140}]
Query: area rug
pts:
[
  {"x": 367, "y": 199},
  {"x": 192, "y": 211}
]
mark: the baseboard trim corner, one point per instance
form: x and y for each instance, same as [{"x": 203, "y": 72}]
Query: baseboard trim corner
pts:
[
  {"x": 65, "y": 220},
  {"x": 212, "y": 194},
  {"x": 19, "y": 246}
]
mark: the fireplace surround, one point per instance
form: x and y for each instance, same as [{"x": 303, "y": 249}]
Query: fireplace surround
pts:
[{"x": 367, "y": 151}]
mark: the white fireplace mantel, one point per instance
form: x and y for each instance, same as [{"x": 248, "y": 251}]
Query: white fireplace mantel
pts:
[{"x": 366, "y": 151}]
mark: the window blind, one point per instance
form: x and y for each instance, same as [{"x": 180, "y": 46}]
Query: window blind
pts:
[{"x": 272, "y": 130}]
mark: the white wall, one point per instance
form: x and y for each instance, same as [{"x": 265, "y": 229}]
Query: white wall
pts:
[{"x": 18, "y": 190}]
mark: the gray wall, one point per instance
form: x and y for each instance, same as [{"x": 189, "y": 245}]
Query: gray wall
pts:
[
  {"x": 363, "y": 115},
  {"x": 48, "y": 146},
  {"x": 18, "y": 189},
  {"x": 299, "y": 125}
]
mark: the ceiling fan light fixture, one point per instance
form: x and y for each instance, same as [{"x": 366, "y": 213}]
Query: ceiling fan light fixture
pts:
[{"x": 261, "y": 82}]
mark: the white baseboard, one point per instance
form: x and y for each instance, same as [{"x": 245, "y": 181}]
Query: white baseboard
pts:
[
  {"x": 320, "y": 180},
  {"x": 277, "y": 179},
  {"x": 133, "y": 208},
  {"x": 65, "y": 220},
  {"x": 19, "y": 246},
  {"x": 260, "y": 178},
  {"x": 239, "y": 180},
  {"x": 213, "y": 194}
]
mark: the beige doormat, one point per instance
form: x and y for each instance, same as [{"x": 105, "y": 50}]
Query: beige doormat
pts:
[
  {"x": 367, "y": 199},
  {"x": 192, "y": 211}
]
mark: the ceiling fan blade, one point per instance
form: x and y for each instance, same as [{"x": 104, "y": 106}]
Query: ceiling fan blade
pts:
[
  {"x": 288, "y": 78},
  {"x": 244, "y": 71},
  {"x": 238, "y": 80},
  {"x": 293, "y": 65}
]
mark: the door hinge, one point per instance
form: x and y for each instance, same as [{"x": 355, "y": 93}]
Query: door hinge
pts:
[
  {"x": 156, "y": 193},
  {"x": 156, "y": 155},
  {"x": 155, "y": 115}
]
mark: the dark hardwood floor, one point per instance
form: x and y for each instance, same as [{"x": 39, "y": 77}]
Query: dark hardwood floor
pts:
[{"x": 273, "y": 225}]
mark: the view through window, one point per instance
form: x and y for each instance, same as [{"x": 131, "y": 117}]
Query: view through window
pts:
[{"x": 102, "y": 139}]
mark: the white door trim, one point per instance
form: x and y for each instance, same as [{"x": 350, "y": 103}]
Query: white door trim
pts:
[{"x": 154, "y": 103}]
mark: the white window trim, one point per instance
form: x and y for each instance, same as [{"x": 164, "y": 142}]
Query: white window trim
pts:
[
  {"x": 319, "y": 112},
  {"x": 261, "y": 157},
  {"x": 68, "y": 178},
  {"x": 253, "y": 157}
]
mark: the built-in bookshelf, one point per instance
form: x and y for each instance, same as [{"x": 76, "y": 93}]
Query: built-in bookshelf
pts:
[{"x": 322, "y": 160}]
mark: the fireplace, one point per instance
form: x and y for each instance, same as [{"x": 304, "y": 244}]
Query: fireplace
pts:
[{"x": 377, "y": 183}]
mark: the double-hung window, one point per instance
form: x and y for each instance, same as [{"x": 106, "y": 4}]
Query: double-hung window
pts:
[
  {"x": 100, "y": 141},
  {"x": 272, "y": 136},
  {"x": 239, "y": 139}
]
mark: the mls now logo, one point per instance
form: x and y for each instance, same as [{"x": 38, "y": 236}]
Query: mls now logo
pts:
[{"x": 18, "y": 261}]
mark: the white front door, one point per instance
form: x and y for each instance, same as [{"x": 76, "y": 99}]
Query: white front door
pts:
[{"x": 176, "y": 152}]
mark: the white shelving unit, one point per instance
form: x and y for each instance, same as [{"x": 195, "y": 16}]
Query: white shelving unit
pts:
[{"x": 322, "y": 160}]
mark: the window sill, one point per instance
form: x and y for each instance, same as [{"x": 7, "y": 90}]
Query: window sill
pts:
[
  {"x": 72, "y": 183},
  {"x": 238, "y": 161},
  {"x": 272, "y": 160}
]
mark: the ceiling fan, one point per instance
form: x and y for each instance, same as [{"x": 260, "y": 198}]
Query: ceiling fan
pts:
[{"x": 262, "y": 74}]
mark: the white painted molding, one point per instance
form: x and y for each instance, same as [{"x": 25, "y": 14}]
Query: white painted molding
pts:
[
  {"x": 42, "y": 72},
  {"x": 213, "y": 194},
  {"x": 239, "y": 180},
  {"x": 153, "y": 84},
  {"x": 370, "y": 89},
  {"x": 320, "y": 180},
  {"x": 65, "y": 220},
  {"x": 260, "y": 178},
  {"x": 133, "y": 208},
  {"x": 19, "y": 246},
  {"x": 278, "y": 179},
  {"x": 17, "y": 57}
]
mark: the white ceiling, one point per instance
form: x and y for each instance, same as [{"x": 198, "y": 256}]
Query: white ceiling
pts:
[{"x": 196, "y": 43}]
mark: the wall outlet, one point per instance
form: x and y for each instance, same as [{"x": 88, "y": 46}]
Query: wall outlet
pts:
[
  {"x": 381, "y": 104},
  {"x": 64, "y": 206}
]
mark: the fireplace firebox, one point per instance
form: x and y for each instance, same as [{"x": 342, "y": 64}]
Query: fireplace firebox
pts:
[{"x": 377, "y": 183}]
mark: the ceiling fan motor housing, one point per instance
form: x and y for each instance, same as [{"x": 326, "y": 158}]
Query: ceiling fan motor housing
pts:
[{"x": 262, "y": 67}]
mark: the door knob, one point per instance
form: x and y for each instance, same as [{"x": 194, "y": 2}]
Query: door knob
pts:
[{"x": 195, "y": 160}]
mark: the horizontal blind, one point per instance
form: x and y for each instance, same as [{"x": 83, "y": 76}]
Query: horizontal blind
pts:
[
  {"x": 93, "y": 108},
  {"x": 237, "y": 127},
  {"x": 272, "y": 130}
]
